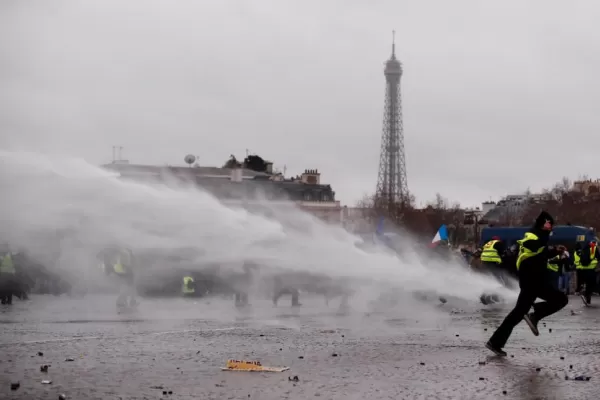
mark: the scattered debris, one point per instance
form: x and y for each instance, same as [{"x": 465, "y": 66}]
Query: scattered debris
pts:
[
  {"x": 68, "y": 359},
  {"x": 46, "y": 382},
  {"x": 481, "y": 362},
  {"x": 328, "y": 331},
  {"x": 157, "y": 387},
  {"x": 170, "y": 392},
  {"x": 582, "y": 378},
  {"x": 251, "y": 366},
  {"x": 422, "y": 363},
  {"x": 219, "y": 385},
  {"x": 44, "y": 368},
  {"x": 15, "y": 385},
  {"x": 294, "y": 379},
  {"x": 40, "y": 354}
]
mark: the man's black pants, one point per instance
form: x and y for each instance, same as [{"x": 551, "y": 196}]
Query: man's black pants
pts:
[
  {"x": 588, "y": 277},
  {"x": 533, "y": 284}
]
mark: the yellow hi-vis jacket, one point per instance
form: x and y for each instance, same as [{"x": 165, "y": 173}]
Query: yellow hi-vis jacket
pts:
[
  {"x": 524, "y": 252},
  {"x": 188, "y": 285},
  {"x": 553, "y": 267},
  {"x": 7, "y": 266},
  {"x": 489, "y": 253},
  {"x": 593, "y": 260},
  {"x": 123, "y": 264}
]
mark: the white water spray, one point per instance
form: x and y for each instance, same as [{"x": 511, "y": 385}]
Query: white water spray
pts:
[{"x": 46, "y": 198}]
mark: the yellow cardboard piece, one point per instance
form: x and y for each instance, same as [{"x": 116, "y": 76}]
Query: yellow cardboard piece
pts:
[{"x": 251, "y": 366}]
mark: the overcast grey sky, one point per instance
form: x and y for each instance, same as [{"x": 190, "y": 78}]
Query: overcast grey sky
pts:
[{"x": 490, "y": 89}]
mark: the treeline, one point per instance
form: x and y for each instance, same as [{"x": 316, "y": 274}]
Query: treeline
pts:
[{"x": 569, "y": 204}]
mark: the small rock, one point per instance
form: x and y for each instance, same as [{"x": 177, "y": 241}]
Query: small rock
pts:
[
  {"x": 566, "y": 378},
  {"x": 178, "y": 368},
  {"x": 280, "y": 349},
  {"x": 15, "y": 385},
  {"x": 165, "y": 392},
  {"x": 538, "y": 369},
  {"x": 334, "y": 355},
  {"x": 485, "y": 329},
  {"x": 44, "y": 368},
  {"x": 301, "y": 357},
  {"x": 422, "y": 363},
  {"x": 481, "y": 378},
  {"x": 570, "y": 367},
  {"x": 343, "y": 335},
  {"x": 62, "y": 397},
  {"x": 218, "y": 385},
  {"x": 481, "y": 362},
  {"x": 46, "y": 382},
  {"x": 198, "y": 352},
  {"x": 294, "y": 379},
  {"x": 550, "y": 330},
  {"x": 157, "y": 387},
  {"x": 512, "y": 356},
  {"x": 457, "y": 335},
  {"x": 69, "y": 359},
  {"x": 261, "y": 335},
  {"x": 504, "y": 392},
  {"x": 170, "y": 392},
  {"x": 40, "y": 354},
  {"x": 562, "y": 358}
]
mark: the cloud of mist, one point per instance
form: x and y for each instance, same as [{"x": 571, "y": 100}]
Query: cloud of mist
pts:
[{"x": 49, "y": 202}]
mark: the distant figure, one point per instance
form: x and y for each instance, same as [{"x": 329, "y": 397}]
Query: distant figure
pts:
[
  {"x": 586, "y": 262},
  {"x": 188, "y": 287},
  {"x": 121, "y": 263},
  {"x": 281, "y": 290},
  {"x": 8, "y": 280}
]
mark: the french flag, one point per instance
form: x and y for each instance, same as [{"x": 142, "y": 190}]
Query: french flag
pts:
[{"x": 442, "y": 234}]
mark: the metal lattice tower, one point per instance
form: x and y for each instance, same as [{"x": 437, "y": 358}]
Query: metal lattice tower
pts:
[{"x": 392, "y": 187}]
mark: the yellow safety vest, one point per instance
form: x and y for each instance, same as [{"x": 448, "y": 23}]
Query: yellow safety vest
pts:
[
  {"x": 593, "y": 262},
  {"x": 123, "y": 263},
  {"x": 524, "y": 252},
  {"x": 489, "y": 253},
  {"x": 553, "y": 267},
  {"x": 188, "y": 288},
  {"x": 7, "y": 266}
]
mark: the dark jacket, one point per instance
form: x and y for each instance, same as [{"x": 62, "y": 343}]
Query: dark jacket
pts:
[{"x": 585, "y": 256}]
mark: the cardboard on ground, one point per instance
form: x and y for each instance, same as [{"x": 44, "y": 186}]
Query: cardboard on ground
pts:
[{"x": 251, "y": 366}]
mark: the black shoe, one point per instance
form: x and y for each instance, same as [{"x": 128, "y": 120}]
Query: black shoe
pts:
[
  {"x": 532, "y": 322},
  {"x": 496, "y": 350}
]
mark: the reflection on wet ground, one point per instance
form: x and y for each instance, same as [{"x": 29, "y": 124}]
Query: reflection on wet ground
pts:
[{"x": 180, "y": 346}]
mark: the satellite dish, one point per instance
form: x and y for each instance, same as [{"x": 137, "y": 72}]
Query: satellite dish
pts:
[{"x": 189, "y": 159}]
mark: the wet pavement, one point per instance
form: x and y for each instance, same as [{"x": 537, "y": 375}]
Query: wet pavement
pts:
[{"x": 179, "y": 346}]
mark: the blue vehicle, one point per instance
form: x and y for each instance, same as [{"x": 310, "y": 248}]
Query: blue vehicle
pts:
[{"x": 567, "y": 235}]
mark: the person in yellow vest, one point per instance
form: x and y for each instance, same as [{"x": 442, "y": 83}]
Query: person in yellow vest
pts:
[
  {"x": 586, "y": 262},
  {"x": 7, "y": 277},
  {"x": 491, "y": 257},
  {"x": 556, "y": 265},
  {"x": 188, "y": 288},
  {"x": 532, "y": 264},
  {"x": 121, "y": 263}
]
